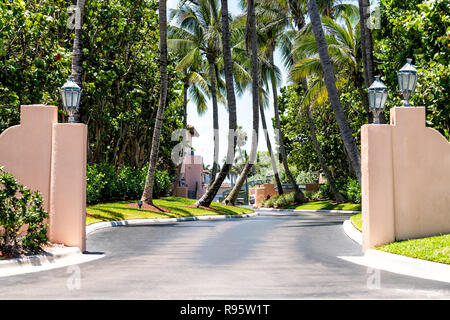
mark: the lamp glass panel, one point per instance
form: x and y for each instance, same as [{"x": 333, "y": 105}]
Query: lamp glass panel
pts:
[
  {"x": 67, "y": 95},
  {"x": 78, "y": 99},
  {"x": 72, "y": 91},
  {"x": 383, "y": 99},
  {"x": 378, "y": 97},
  {"x": 372, "y": 99},
  {"x": 411, "y": 82}
]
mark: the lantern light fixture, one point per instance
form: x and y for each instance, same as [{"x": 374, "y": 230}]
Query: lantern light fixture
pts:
[
  {"x": 71, "y": 96},
  {"x": 378, "y": 93},
  {"x": 407, "y": 79}
]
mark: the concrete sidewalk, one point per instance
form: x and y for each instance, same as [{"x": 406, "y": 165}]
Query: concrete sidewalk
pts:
[
  {"x": 394, "y": 263},
  {"x": 56, "y": 258}
]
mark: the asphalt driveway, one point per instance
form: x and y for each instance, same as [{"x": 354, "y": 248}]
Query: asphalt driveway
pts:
[{"x": 272, "y": 256}]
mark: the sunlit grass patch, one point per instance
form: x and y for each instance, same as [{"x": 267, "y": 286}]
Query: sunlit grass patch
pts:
[{"x": 178, "y": 207}]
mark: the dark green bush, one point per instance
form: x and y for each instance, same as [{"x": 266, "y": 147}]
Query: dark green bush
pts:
[
  {"x": 20, "y": 207},
  {"x": 105, "y": 183},
  {"x": 325, "y": 190},
  {"x": 285, "y": 200},
  {"x": 352, "y": 191},
  {"x": 269, "y": 203}
]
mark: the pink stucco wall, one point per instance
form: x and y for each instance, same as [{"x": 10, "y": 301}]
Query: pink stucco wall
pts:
[
  {"x": 50, "y": 157},
  {"x": 192, "y": 168},
  {"x": 405, "y": 179}
]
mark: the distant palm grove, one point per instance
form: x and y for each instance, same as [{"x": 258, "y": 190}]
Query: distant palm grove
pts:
[{"x": 140, "y": 63}]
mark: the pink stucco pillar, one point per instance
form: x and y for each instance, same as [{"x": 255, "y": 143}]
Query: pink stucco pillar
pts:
[
  {"x": 405, "y": 170},
  {"x": 68, "y": 185},
  {"x": 25, "y": 149},
  {"x": 377, "y": 186},
  {"x": 50, "y": 158}
]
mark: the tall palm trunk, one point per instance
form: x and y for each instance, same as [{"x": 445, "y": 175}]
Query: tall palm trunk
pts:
[
  {"x": 208, "y": 197},
  {"x": 275, "y": 101},
  {"x": 231, "y": 199},
  {"x": 269, "y": 148},
  {"x": 185, "y": 101},
  {"x": 213, "y": 79},
  {"x": 367, "y": 52},
  {"x": 77, "y": 55},
  {"x": 300, "y": 197},
  {"x": 333, "y": 96},
  {"x": 337, "y": 195},
  {"x": 147, "y": 195}
]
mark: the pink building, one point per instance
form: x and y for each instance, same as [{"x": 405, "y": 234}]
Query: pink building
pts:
[{"x": 194, "y": 179}]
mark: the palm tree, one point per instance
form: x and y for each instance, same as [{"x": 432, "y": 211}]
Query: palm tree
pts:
[
  {"x": 337, "y": 195},
  {"x": 147, "y": 195},
  {"x": 333, "y": 96},
  {"x": 251, "y": 29},
  {"x": 367, "y": 48},
  {"x": 208, "y": 197},
  {"x": 199, "y": 30},
  {"x": 343, "y": 47},
  {"x": 274, "y": 17},
  {"x": 193, "y": 70},
  {"x": 244, "y": 80},
  {"x": 77, "y": 55}
]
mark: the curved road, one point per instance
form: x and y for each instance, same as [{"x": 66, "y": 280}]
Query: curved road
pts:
[{"x": 272, "y": 256}]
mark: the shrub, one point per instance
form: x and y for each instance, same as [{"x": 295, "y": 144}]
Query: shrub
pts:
[
  {"x": 285, "y": 200},
  {"x": 20, "y": 207},
  {"x": 313, "y": 195},
  {"x": 105, "y": 182},
  {"x": 162, "y": 184},
  {"x": 269, "y": 203},
  {"x": 95, "y": 182},
  {"x": 305, "y": 177},
  {"x": 325, "y": 190},
  {"x": 352, "y": 191}
]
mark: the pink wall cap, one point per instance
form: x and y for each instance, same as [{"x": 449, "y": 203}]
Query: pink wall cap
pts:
[
  {"x": 408, "y": 115},
  {"x": 38, "y": 113}
]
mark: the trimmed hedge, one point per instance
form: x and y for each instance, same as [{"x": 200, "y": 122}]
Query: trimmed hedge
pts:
[{"x": 105, "y": 182}]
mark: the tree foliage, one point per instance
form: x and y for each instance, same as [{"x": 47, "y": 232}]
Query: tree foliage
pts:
[
  {"x": 120, "y": 73},
  {"x": 417, "y": 29}
]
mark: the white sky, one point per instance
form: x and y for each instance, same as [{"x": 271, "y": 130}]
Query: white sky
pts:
[{"x": 203, "y": 145}]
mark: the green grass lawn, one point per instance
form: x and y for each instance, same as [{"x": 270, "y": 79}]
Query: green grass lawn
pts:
[
  {"x": 178, "y": 207},
  {"x": 356, "y": 220},
  {"x": 435, "y": 249},
  {"x": 326, "y": 205}
]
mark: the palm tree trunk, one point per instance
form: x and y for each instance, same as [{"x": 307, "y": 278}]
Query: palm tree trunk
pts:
[
  {"x": 212, "y": 74},
  {"x": 337, "y": 195},
  {"x": 231, "y": 199},
  {"x": 208, "y": 197},
  {"x": 367, "y": 50},
  {"x": 300, "y": 197},
  {"x": 147, "y": 195},
  {"x": 77, "y": 55},
  {"x": 185, "y": 90},
  {"x": 269, "y": 148},
  {"x": 333, "y": 96}
]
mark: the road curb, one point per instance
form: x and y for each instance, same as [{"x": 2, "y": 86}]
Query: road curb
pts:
[
  {"x": 308, "y": 210},
  {"x": 395, "y": 263},
  {"x": 133, "y": 222},
  {"x": 352, "y": 232},
  {"x": 40, "y": 259}
]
